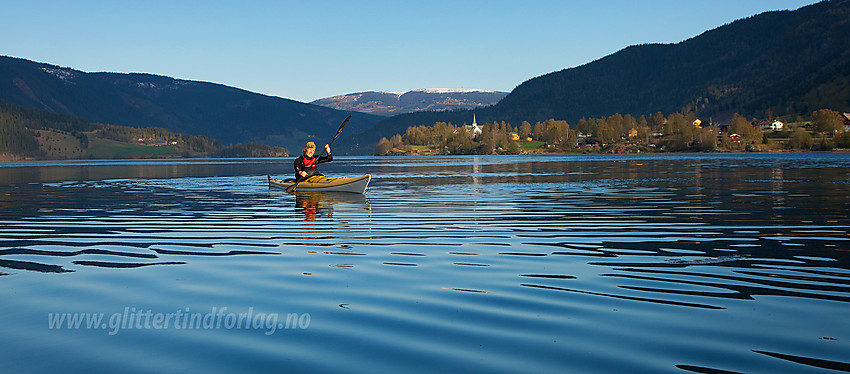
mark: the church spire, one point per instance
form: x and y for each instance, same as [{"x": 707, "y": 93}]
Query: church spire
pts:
[{"x": 475, "y": 129}]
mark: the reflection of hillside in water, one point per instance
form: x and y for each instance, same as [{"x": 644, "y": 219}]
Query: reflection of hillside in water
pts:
[{"x": 25, "y": 172}]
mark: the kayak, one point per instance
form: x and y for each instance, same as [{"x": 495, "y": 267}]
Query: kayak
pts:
[{"x": 320, "y": 183}]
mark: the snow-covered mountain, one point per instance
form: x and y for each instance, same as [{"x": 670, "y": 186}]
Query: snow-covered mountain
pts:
[{"x": 388, "y": 103}]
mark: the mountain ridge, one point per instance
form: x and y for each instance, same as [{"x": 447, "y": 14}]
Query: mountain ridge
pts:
[
  {"x": 193, "y": 107},
  {"x": 388, "y": 103}
]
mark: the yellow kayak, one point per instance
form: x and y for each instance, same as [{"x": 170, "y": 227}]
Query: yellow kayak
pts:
[{"x": 322, "y": 183}]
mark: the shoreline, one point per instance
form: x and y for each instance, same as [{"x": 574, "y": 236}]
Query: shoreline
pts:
[
  {"x": 411, "y": 154},
  {"x": 5, "y": 158}
]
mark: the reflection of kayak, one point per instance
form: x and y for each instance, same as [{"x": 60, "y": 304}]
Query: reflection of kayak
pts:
[
  {"x": 339, "y": 199},
  {"x": 321, "y": 205},
  {"x": 322, "y": 183}
]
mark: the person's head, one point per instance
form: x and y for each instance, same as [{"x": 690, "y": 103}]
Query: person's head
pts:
[{"x": 310, "y": 149}]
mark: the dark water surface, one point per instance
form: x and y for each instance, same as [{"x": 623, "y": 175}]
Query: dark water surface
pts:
[{"x": 651, "y": 264}]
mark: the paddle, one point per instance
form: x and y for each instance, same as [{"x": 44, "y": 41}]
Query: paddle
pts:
[{"x": 291, "y": 189}]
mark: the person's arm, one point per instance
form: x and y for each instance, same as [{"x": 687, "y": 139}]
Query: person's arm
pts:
[
  {"x": 299, "y": 167},
  {"x": 329, "y": 157}
]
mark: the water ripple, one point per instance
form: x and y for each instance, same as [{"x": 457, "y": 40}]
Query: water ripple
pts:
[{"x": 589, "y": 264}]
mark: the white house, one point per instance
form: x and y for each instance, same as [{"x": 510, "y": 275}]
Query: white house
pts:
[
  {"x": 771, "y": 125},
  {"x": 846, "y": 118}
]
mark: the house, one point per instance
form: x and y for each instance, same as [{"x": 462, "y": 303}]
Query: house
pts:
[
  {"x": 592, "y": 142},
  {"x": 775, "y": 125},
  {"x": 846, "y": 117},
  {"x": 735, "y": 137},
  {"x": 697, "y": 123},
  {"x": 514, "y": 136},
  {"x": 633, "y": 132}
]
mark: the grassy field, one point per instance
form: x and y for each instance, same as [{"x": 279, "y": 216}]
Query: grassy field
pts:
[
  {"x": 534, "y": 144},
  {"x": 63, "y": 146},
  {"x": 59, "y": 145},
  {"x": 106, "y": 149}
]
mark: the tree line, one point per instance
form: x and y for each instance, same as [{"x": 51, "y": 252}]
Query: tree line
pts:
[
  {"x": 494, "y": 137},
  {"x": 675, "y": 132},
  {"x": 158, "y": 135}
]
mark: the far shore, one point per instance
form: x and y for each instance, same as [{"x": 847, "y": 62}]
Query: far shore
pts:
[{"x": 16, "y": 158}]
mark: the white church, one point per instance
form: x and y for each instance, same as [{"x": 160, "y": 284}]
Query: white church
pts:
[{"x": 474, "y": 126}]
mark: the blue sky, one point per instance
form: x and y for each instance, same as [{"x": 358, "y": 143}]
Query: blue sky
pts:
[{"x": 306, "y": 50}]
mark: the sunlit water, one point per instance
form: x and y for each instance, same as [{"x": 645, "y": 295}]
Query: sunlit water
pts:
[{"x": 676, "y": 263}]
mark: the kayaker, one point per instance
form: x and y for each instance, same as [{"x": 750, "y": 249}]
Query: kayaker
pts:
[{"x": 307, "y": 164}]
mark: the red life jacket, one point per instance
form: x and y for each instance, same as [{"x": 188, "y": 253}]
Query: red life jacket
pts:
[{"x": 310, "y": 163}]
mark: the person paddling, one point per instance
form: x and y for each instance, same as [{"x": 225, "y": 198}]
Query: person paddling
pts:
[{"x": 307, "y": 164}]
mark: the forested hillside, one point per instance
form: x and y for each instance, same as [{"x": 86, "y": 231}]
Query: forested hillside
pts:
[
  {"x": 772, "y": 64},
  {"x": 26, "y": 133},
  {"x": 191, "y": 107},
  {"x": 20, "y": 126}
]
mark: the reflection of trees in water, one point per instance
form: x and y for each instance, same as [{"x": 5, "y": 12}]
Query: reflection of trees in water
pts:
[{"x": 123, "y": 169}]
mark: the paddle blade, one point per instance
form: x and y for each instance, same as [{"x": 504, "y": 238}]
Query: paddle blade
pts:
[{"x": 342, "y": 126}]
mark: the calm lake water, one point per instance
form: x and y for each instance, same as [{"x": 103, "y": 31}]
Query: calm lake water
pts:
[{"x": 593, "y": 264}]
